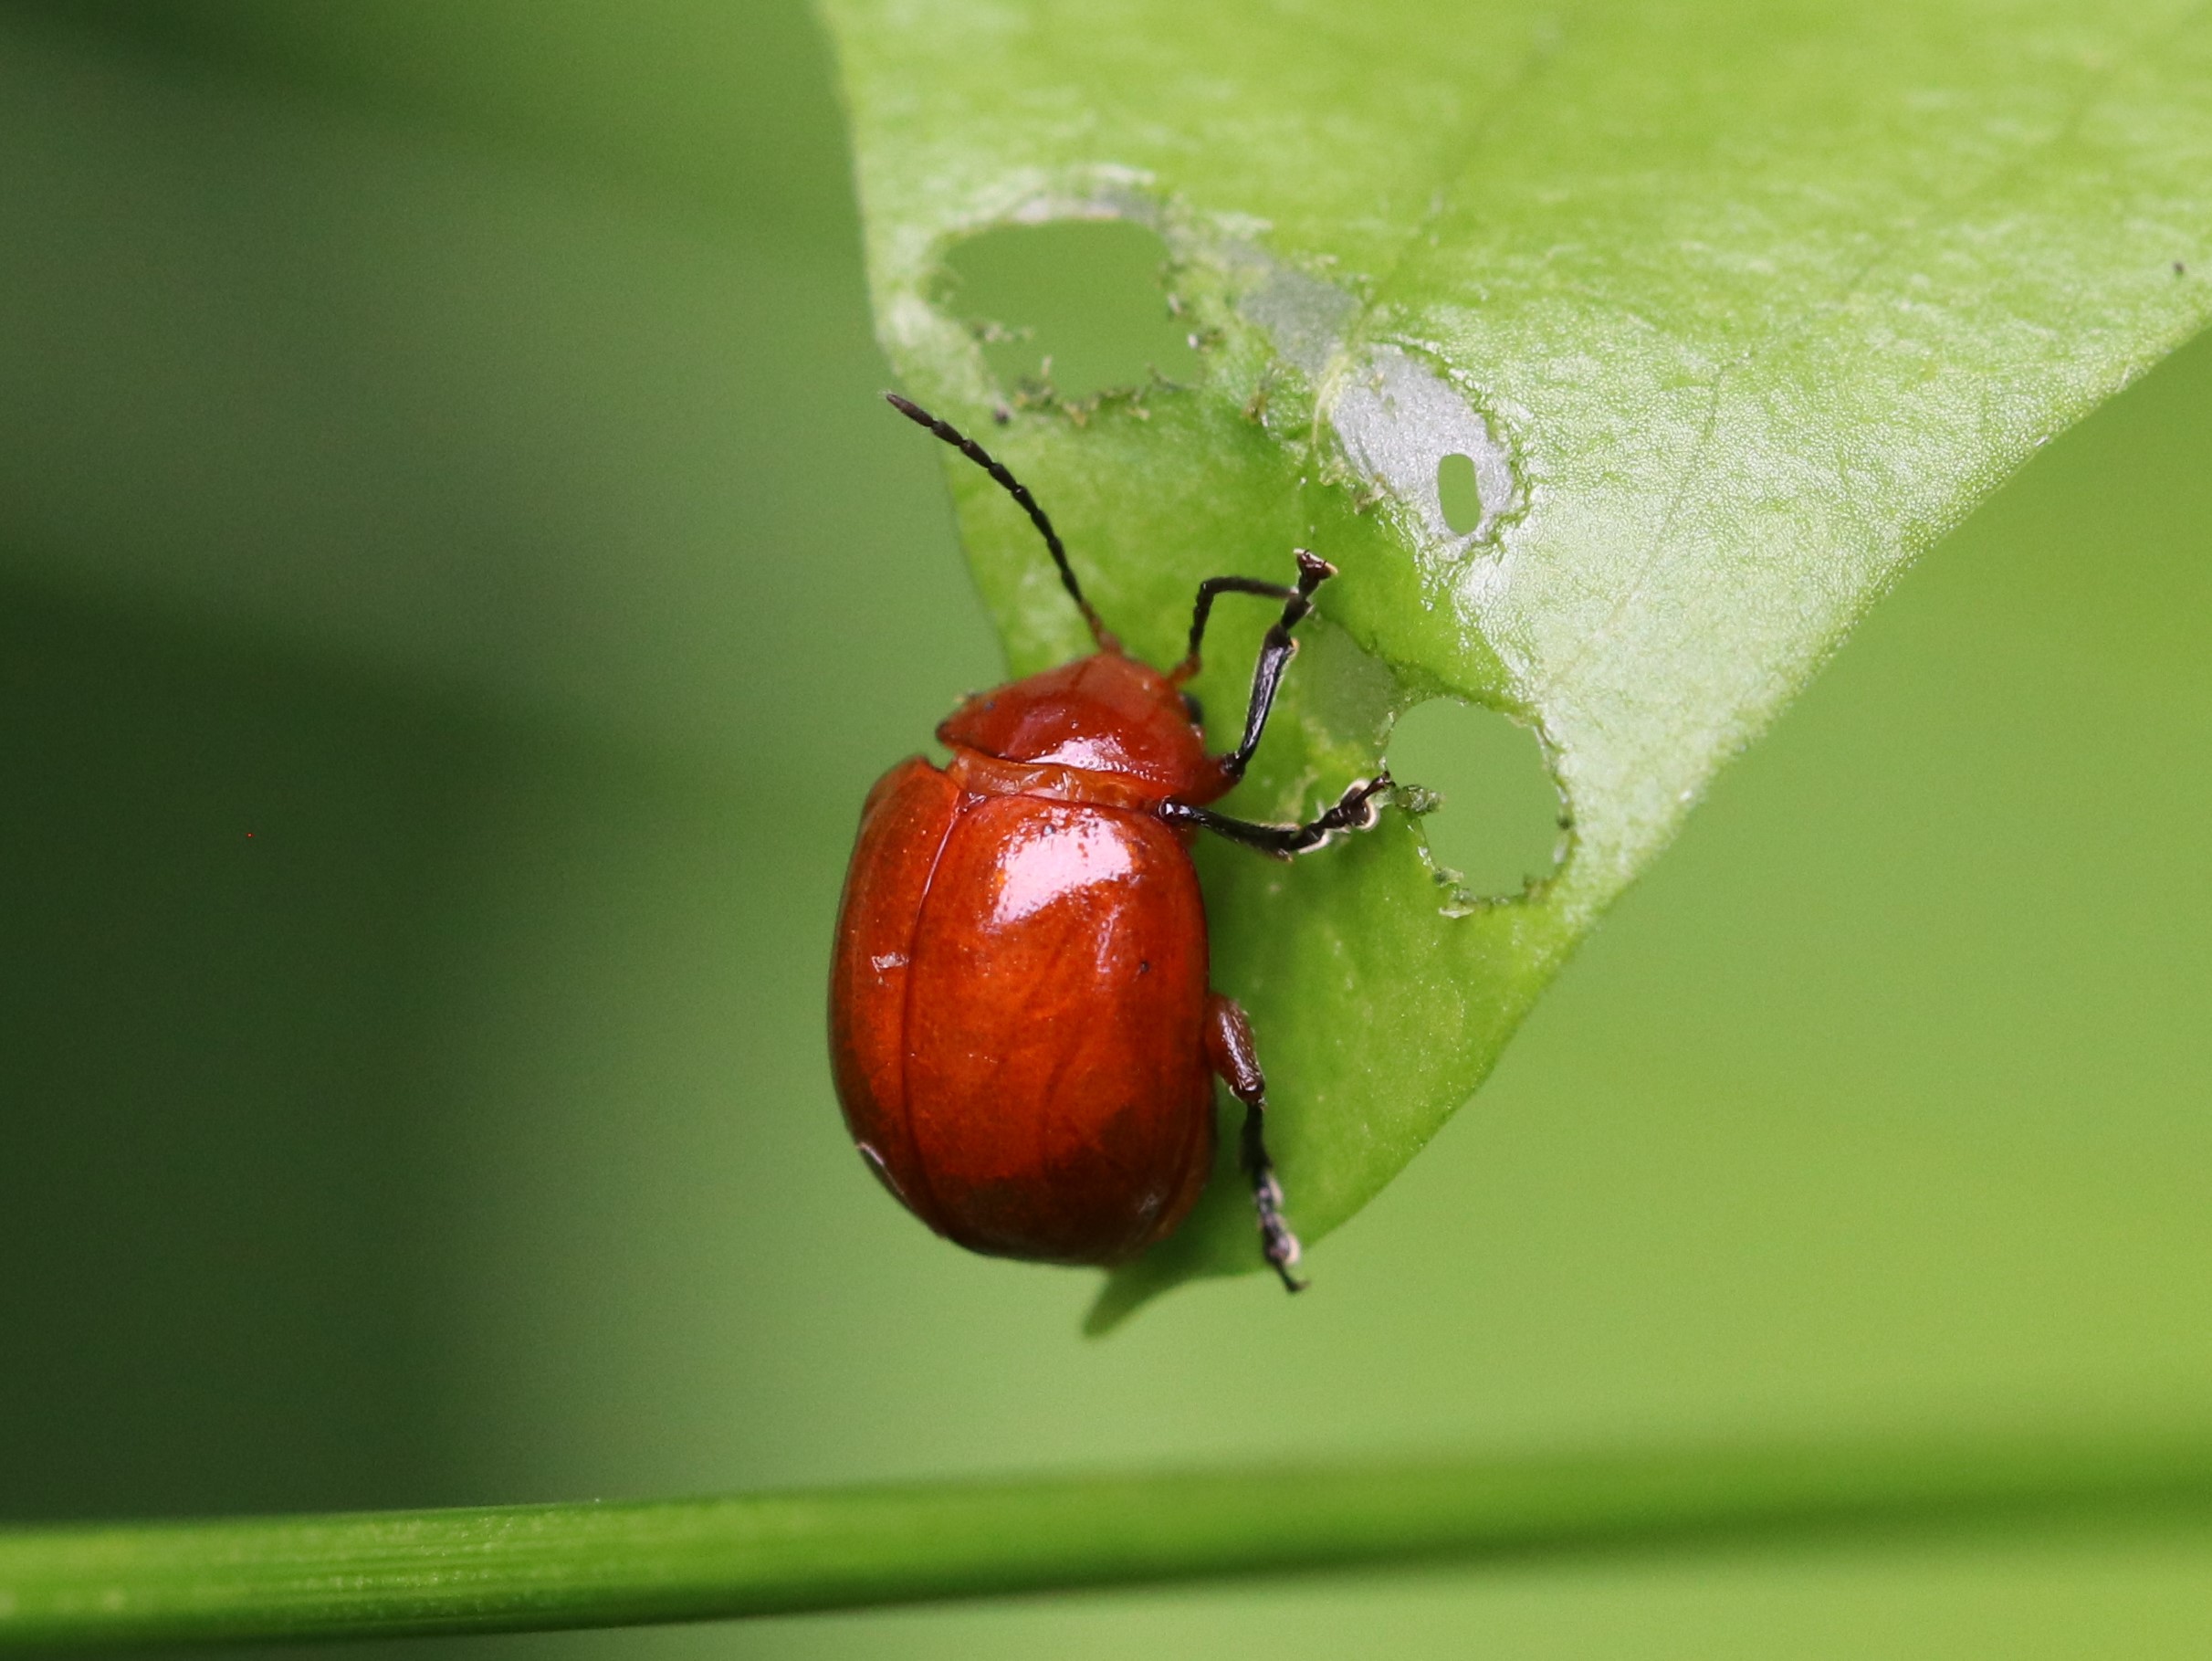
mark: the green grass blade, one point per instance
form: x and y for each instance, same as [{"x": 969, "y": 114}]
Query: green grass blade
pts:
[{"x": 522, "y": 1568}]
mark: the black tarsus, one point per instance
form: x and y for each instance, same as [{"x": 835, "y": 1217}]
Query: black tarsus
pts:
[
  {"x": 1278, "y": 1244},
  {"x": 1014, "y": 488},
  {"x": 1275, "y": 650},
  {"x": 1236, "y": 1059},
  {"x": 1354, "y": 811}
]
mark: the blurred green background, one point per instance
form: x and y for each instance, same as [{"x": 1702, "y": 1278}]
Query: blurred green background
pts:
[{"x": 456, "y": 586}]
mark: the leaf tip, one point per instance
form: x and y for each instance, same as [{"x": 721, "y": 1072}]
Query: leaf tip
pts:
[{"x": 1125, "y": 1291}]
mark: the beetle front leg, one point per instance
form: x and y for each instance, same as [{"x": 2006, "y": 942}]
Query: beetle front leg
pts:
[
  {"x": 1231, "y": 1052},
  {"x": 1276, "y": 649},
  {"x": 1355, "y": 810}
]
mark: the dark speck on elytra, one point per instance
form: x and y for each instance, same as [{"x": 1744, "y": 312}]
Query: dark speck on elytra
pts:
[{"x": 1144, "y": 968}]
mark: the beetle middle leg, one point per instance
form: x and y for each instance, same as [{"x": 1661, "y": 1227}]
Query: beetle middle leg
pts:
[
  {"x": 1356, "y": 810},
  {"x": 1231, "y": 1052}
]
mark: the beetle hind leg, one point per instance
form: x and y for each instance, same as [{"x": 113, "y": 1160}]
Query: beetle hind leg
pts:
[{"x": 1231, "y": 1052}]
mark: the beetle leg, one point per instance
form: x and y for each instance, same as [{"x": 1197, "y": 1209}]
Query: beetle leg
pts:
[
  {"x": 1230, "y": 1051},
  {"x": 1355, "y": 810},
  {"x": 1206, "y": 592},
  {"x": 1275, "y": 650}
]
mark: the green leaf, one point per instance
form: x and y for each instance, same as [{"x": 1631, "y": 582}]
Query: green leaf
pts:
[{"x": 1733, "y": 309}]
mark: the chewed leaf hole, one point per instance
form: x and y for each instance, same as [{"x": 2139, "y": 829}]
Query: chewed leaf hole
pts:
[
  {"x": 1495, "y": 823},
  {"x": 1458, "y": 494},
  {"x": 1077, "y": 305}
]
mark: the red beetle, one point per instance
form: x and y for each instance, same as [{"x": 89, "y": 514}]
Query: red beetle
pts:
[{"x": 1022, "y": 1032}]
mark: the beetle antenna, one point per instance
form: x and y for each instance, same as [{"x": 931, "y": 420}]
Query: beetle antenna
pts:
[{"x": 1014, "y": 488}]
